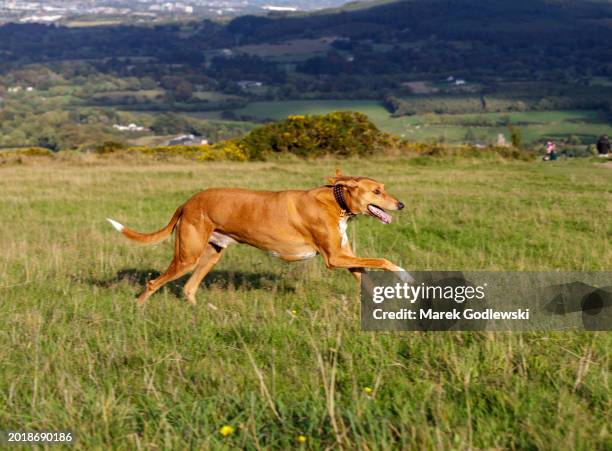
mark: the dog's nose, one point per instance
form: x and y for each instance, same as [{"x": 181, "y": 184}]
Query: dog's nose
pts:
[{"x": 400, "y": 205}]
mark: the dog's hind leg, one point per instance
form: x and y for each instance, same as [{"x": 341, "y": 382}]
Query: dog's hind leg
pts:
[
  {"x": 191, "y": 240},
  {"x": 210, "y": 257}
]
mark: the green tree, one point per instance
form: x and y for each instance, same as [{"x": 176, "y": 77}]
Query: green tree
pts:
[
  {"x": 183, "y": 91},
  {"x": 516, "y": 137},
  {"x": 470, "y": 136}
]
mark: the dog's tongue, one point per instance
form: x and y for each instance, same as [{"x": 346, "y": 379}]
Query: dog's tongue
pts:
[{"x": 382, "y": 215}]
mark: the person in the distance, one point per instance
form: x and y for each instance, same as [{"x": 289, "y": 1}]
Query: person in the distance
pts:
[{"x": 603, "y": 146}]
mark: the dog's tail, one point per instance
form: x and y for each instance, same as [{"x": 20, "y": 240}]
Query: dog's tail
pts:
[{"x": 149, "y": 238}]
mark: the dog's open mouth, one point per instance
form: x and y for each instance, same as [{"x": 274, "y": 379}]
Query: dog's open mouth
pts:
[{"x": 379, "y": 213}]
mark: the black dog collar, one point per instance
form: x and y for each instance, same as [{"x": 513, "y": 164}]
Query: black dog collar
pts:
[{"x": 339, "y": 196}]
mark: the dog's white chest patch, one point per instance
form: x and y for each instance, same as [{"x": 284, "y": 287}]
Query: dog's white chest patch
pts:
[
  {"x": 221, "y": 240},
  {"x": 342, "y": 225}
]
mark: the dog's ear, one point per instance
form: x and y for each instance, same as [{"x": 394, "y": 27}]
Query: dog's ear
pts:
[
  {"x": 335, "y": 179},
  {"x": 349, "y": 182}
]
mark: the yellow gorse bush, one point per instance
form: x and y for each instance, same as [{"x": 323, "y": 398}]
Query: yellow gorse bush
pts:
[
  {"x": 30, "y": 152},
  {"x": 226, "y": 150},
  {"x": 339, "y": 134}
]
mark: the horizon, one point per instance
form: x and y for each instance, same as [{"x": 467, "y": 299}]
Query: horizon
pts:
[{"x": 62, "y": 11}]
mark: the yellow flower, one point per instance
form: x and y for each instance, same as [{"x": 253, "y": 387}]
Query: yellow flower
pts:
[
  {"x": 294, "y": 312},
  {"x": 301, "y": 438},
  {"x": 367, "y": 390},
  {"x": 226, "y": 430}
]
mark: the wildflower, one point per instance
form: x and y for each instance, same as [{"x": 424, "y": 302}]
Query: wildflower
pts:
[
  {"x": 294, "y": 312},
  {"x": 301, "y": 438},
  {"x": 367, "y": 390},
  {"x": 226, "y": 430}
]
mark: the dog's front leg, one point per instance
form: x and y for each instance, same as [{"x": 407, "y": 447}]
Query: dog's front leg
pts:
[
  {"x": 339, "y": 258},
  {"x": 357, "y": 272}
]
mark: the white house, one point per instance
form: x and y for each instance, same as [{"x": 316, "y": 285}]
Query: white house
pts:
[
  {"x": 249, "y": 84},
  {"x": 129, "y": 128}
]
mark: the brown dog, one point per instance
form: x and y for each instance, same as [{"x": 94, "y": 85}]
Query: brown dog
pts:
[{"x": 293, "y": 225}]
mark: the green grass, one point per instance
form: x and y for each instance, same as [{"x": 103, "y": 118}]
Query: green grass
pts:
[
  {"x": 214, "y": 96},
  {"x": 77, "y": 354},
  {"x": 282, "y": 109},
  {"x": 142, "y": 95},
  {"x": 534, "y": 126}
]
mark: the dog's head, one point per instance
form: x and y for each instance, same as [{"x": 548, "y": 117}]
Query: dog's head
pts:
[{"x": 366, "y": 196}]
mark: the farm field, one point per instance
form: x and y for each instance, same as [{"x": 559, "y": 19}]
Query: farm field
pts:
[
  {"x": 148, "y": 106},
  {"x": 534, "y": 126},
  {"x": 274, "y": 350},
  {"x": 291, "y": 47},
  {"x": 142, "y": 95}
]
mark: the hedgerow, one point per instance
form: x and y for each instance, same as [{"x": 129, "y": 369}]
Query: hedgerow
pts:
[
  {"x": 226, "y": 150},
  {"x": 340, "y": 134}
]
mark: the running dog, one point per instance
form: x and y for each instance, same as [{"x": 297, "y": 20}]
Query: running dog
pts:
[{"x": 293, "y": 225}]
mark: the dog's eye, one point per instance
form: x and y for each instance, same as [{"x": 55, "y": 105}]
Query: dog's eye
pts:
[{"x": 377, "y": 192}]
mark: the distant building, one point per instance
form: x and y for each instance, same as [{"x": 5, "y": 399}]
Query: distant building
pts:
[
  {"x": 187, "y": 140},
  {"x": 460, "y": 82},
  {"x": 172, "y": 7},
  {"x": 249, "y": 84},
  {"x": 450, "y": 79},
  {"x": 330, "y": 39},
  {"x": 129, "y": 128},
  {"x": 279, "y": 8}
]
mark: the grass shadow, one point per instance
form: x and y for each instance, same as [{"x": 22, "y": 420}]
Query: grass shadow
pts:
[{"x": 220, "y": 279}]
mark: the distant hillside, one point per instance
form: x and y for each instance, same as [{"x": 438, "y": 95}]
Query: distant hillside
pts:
[
  {"x": 454, "y": 19},
  {"x": 62, "y": 87},
  {"x": 529, "y": 39},
  {"x": 494, "y": 37}
]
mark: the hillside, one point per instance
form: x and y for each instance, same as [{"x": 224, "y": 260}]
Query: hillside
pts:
[
  {"x": 477, "y": 35},
  {"x": 473, "y": 36},
  {"x": 418, "y": 59}
]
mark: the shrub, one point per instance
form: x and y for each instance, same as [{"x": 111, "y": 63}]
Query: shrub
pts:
[
  {"x": 226, "y": 150},
  {"x": 22, "y": 155},
  {"x": 516, "y": 137},
  {"x": 28, "y": 151},
  {"x": 441, "y": 150},
  {"x": 339, "y": 134},
  {"x": 108, "y": 147}
]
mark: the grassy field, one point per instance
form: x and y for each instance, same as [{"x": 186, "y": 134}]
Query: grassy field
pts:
[
  {"x": 280, "y": 110},
  {"x": 274, "y": 350},
  {"x": 452, "y": 128}
]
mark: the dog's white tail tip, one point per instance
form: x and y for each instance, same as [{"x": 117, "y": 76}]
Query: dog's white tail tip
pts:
[
  {"x": 405, "y": 276},
  {"x": 118, "y": 227}
]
